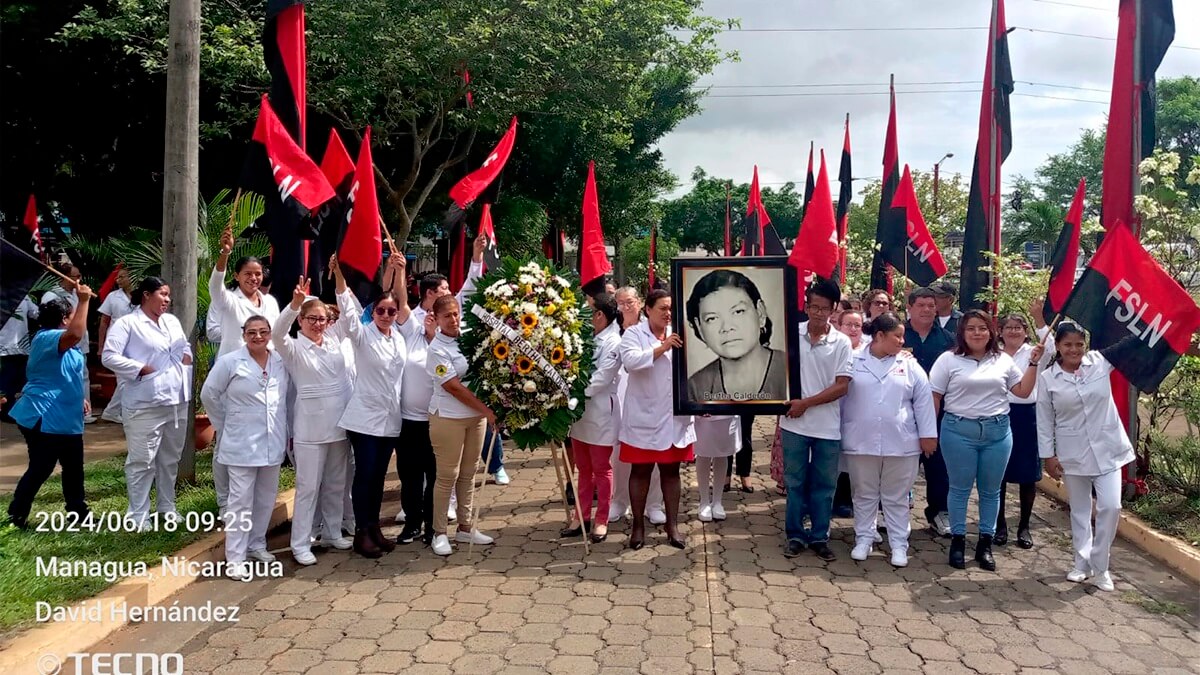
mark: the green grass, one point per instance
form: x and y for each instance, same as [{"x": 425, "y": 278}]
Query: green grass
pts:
[
  {"x": 1169, "y": 512},
  {"x": 104, "y": 487},
  {"x": 1154, "y": 606}
]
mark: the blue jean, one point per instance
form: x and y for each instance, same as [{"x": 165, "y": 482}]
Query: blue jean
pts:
[
  {"x": 372, "y": 456},
  {"x": 810, "y": 471},
  {"x": 976, "y": 453},
  {"x": 493, "y": 439}
]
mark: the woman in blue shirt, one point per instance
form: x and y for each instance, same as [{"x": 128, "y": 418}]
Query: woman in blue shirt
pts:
[{"x": 48, "y": 412}]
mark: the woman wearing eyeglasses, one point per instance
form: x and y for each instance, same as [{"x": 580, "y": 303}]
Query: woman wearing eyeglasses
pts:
[
  {"x": 875, "y": 302},
  {"x": 373, "y": 417},
  {"x": 245, "y": 395},
  {"x": 322, "y": 382}
]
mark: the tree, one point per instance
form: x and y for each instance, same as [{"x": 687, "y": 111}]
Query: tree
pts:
[{"x": 697, "y": 219}]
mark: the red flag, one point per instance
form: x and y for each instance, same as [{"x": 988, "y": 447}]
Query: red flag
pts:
[
  {"x": 110, "y": 282},
  {"x": 888, "y": 223},
  {"x": 362, "y": 247},
  {"x": 1065, "y": 256},
  {"x": 593, "y": 258},
  {"x": 728, "y": 233},
  {"x": 923, "y": 259},
  {"x": 280, "y": 171},
  {"x": 816, "y": 247},
  {"x": 31, "y": 224},
  {"x": 845, "y": 194},
  {"x": 284, "y": 53},
  {"x": 653, "y": 258},
  {"x": 491, "y": 252},
  {"x": 470, "y": 187},
  {"x": 466, "y": 76},
  {"x": 336, "y": 163},
  {"x": 756, "y": 220}
]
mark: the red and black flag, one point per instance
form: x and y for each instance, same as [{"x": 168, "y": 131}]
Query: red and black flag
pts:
[
  {"x": 593, "y": 258},
  {"x": 31, "y": 223},
  {"x": 914, "y": 248},
  {"x": 845, "y": 194},
  {"x": 816, "y": 249},
  {"x": 19, "y": 271},
  {"x": 554, "y": 245},
  {"x": 809, "y": 185},
  {"x": 330, "y": 221},
  {"x": 1125, "y": 298},
  {"x": 280, "y": 171},
  {"x": 728, "y": 225},
  {"x": 1065, "y": 257},
  {"x": 467, "y": 190},
  {"x": 982, "y": 232},
  {"x": 459, "y": 257},
  {"x": 491, "y": 251},
  {"x": 284, "y": 53},
  {"x": 890, "y": 222},
  {"x": 360, "y": 252}
]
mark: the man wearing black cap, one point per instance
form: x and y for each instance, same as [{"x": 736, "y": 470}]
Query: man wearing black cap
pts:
[{"x": 948, "y": 316}]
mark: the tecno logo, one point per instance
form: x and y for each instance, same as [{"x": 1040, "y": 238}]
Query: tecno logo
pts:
[{"x": 101, "y": 663}]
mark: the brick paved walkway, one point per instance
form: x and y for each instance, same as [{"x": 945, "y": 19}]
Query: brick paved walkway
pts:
[{"x": 730, "y": 603}]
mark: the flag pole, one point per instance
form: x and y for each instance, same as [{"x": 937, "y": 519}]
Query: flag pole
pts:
[
  {"x": 40, "y": 263},
  {"x": 993, "y": 158}
]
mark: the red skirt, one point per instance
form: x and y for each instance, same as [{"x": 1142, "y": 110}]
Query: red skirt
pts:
[{"x": 631, "y": 454}]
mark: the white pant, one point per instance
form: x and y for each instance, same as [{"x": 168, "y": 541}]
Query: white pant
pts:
[
  {"x": 320, "y": 482},
  {"x": 220, "y": 479},
  {"x": 347, "y": 501},
  {"x": 252, "y": 491},
  {"x": 1092, "y": 547},
  {"x": 621, "y": 470},
  {"x": 154, "y": 438},
  {"x": 112, "y": 411},
  {"x": 711, "y": 473},
  {"x": 881, "y": 480}
]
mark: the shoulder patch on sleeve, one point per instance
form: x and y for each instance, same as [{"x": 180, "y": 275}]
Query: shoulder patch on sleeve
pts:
[{"x": 440, "y": 370}]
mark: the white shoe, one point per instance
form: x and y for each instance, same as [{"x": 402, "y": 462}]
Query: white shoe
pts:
[
  {"x": 89, "y": 419},
  {"x": 706, "y": 514},
  {"x": 261, "y": 555},
  {"x": 1103, "y": 581},
  {"x": 1077, "y": 576},
  {"x": 615, "y": 512},
  {"x": 941, "y": 523},
  {"x": 441, "y": 545},
  {"x": 170, "y": 517},
  {"x": 340, "y": 543},
  {"x": 657, "y": 516},
  {"x": 718, "y": 511},
  {"x": 474, "y": 536},
  {"x": 239, "y": 571},
  {"x": 115, "y": 419},
  {"x": 899, "y": 558},
  {"x": 501, "y": 477},
  {"x": 878, "y": 538},
  {"x": 400, "y": 517},
  {"x": 304, "y": 557},
  {"x": 861, "y": 551}
]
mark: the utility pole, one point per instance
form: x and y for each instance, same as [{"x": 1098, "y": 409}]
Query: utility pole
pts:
[{"x": 181, "y": 185}]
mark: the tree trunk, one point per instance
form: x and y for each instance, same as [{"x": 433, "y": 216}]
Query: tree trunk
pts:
[{"x": 181, "y": 191}]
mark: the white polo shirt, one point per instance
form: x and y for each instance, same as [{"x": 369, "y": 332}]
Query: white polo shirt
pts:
[
  {"x": 820, "y": 364},
  {"x": 974, "y": 389},
  {"x": 444, "y": 361}
]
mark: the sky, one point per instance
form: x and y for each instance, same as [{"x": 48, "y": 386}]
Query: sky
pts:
[{"x": 734, "y": 132}]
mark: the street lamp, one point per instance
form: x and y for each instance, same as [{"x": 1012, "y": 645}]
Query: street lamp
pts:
[{"x": 936, "y": 166}]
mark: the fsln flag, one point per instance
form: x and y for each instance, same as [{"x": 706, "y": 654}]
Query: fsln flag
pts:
[
  {"x": 756, "y": 220},
  {"x": 1065, "y": 256},
  {"x": 35, "y": 232},
  {"x": 362, "y": 247},
  {"x": 473, "y": 184},
  {"x": 554, "y": 245},
  {"x": 994, "y": 142},
  {"x": 19, "y": 271},
  {"x": 491, "y": 251},
  {"x": 816, "y": 249},
  {"x": 845, "y": 194},
  {"x": 1131, "y": 120},
  {"x": 809, "y": 185},
  {"x": 1125, "y": 296},
  {"x": 279, "y": 170},
  {"x": 914, "y": 252},
  {"x": 284, "y": 54},
  {"x": 889, "y": 221},
  {"x": 330, "y": 222},
  {"x": 593, "y": 258}
]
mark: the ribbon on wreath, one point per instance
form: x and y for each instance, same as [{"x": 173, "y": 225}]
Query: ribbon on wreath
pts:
[{"x": 518, "y": 341}]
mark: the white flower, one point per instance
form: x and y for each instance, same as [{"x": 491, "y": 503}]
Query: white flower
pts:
[
  {"x": 495, "y": 336},
  {"x": 529, "y": 387},
  {"x": 572, "y": 403},
  {"x": 556, "y": 332}
]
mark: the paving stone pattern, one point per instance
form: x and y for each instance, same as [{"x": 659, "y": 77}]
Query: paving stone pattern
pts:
[{"x": 730, "y": 603}]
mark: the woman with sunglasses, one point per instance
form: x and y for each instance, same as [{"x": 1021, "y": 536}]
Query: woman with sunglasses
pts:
[
  {"x": 373, "y": 417},
  {"x": 322, "y": 383}
]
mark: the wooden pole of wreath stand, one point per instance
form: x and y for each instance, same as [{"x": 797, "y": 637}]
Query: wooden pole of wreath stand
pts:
[{"x": 564, "y": 470}]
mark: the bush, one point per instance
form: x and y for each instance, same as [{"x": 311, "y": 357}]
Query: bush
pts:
[{"x": 1176, "y": 463}]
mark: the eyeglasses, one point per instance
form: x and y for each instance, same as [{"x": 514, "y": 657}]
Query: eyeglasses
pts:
[
  {"x": 880, "y": 303},
  {"x": 258, "y": 333},
  {"x": 817, "y": 309},
  {"x": 316, "y": 319},
  {"x": 386, "y": 311}
]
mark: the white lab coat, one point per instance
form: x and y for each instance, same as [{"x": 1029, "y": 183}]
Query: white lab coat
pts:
[
  {"x": 248, "y": 409},
  {"x": 1077, "y": 419},
  {"x": 320, "y": 377},
  {"x": 233, "y": 308},
  {"x": 136, "y": 340},
  {"x": 888, "y": 407},
  {"x": 602, "y": 410},
  {"x": 379, "y": 359},
  {"x": 648, "y": 420}
]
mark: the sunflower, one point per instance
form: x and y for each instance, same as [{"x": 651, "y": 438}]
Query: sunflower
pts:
[
  {"x": 557, "y": 355},
  {"x": 529, "y": 321},
  {"x": 500, "y": 350},
  {"x": 524, "y": 365}
]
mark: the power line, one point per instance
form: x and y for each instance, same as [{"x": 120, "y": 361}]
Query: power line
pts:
[
  {"x": 876, "y": 84},
  {"x": 917, "y": 91},
  {"x": 1071, "y": 4}
]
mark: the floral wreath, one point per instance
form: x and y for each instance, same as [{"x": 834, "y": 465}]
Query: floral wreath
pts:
[{"x": 529, "y": 346}]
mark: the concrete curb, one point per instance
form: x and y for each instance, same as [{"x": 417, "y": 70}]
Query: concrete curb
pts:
[
  {"x": 63, "y": 638},
  {"x": 1166, "y": 549}
]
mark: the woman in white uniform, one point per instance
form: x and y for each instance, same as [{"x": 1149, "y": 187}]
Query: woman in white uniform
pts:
[
  {"x": 149, "y": 352},
  {"x": 233, "y": 305},
  {"x": 318, "y": 371},
  {"x": 594, "y": 435},
  {"x": 1083, "y": 442},
  {"x": 718, "y": 437},
  {"x": 372, "y": 418},
  {"x": 245, "y": 395},
  {"x": 651, "y": 435},
  {"x": 887, "y": 422}
]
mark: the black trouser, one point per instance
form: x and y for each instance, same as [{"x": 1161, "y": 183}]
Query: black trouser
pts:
[
  {"x": 46, "y": 450},
  {"x": 745, "y": 454},
  {"x": 417, "y": 468},
  {"x": 12, "y": 379},
  {"x": 937, "y": 481},
  {"x": 372, "y": 457}
]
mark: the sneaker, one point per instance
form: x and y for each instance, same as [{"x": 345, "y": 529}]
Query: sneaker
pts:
[
  {"x": 400, "y": 517},
  {"x": 304, "y": 557},
  {"x": 794, "y": 548},
  {"x": 616, "y": 512},
  {"x": 114, "y": 419},
  {"x": 408, "y": 535},
  {"x": 1077, "y": 576},
  {"x": 823, "y": 551},
  {"x": 1103, "y": 581},
  {"x": 89, "y": 419},
  {"x": 899, "y": 558},
  {"x": 473, "y": 537},
  {"x": 657, "y": 516},
  {"x": 239, "y": 571},
  {"x": 341, "y": 543},
  {"x": 941, "y": 524},
  {"x": 861, "y": 551},
  {"x": 706, "y": 514},
  {"x": 441, "y": 545},
  {"x": 501, "y": 477},
  {"x": 171, "y": 517},
  {"x": 718, "y": 512},
  {"x": 261, "y": 555}
]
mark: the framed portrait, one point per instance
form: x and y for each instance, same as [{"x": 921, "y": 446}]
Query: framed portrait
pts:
[{"x": 737, "y": 319}]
